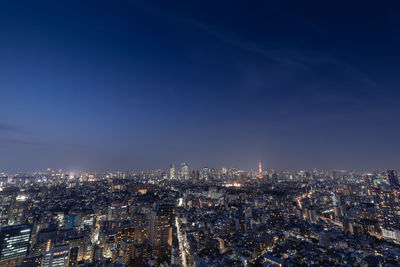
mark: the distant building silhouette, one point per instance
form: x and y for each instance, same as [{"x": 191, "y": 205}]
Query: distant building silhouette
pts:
[{"x": 393, "y": 178}]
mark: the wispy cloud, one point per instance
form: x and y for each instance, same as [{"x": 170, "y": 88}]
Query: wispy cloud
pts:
[
  {"x": 288, "y": 57},
  {"x": 14, "y": 135},
  {"x": 233, "y": 40},
  {"x": 21, "y": 142},
  {"x": 282, "y": 55},
  {"x": 225, "y": 36},
  {"x": 11, "y": 128},
  {"x": 16, "y": 141}
]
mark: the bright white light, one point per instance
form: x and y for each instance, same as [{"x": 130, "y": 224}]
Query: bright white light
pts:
[
  {"x": 234, "y": 185},
  {"x": 180, "y": 202},
  {"x": 21, "y": 198}
]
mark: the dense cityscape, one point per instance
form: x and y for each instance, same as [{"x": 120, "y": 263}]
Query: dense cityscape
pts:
[
  {"x": 207, "y": 217},
  {"x": 145, "y": 133}
]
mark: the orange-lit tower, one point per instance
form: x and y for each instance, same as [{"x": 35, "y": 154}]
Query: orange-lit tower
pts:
[{"x": 260, "y": 174}]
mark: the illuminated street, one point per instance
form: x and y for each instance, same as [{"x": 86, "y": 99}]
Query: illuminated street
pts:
[{"x": 181, "y": 242}]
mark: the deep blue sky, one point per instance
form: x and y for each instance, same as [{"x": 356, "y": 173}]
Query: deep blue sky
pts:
[{"x": 142, "y": 84}]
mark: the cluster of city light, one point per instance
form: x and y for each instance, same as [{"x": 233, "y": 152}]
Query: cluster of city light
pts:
[
  {"x": 233, "y": 185},
  {"x": 21, "y": 198}
]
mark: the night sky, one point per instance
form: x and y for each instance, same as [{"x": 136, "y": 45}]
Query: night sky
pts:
[{"x": 105, "y": 85}]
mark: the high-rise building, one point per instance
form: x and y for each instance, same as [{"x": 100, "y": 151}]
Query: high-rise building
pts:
[
  {"x": 141, "y": 228},
  {"x": 73, "y": 257},
  {"x": 171, "y": 171},
  {"x": 14, "y": 242},
  {"x": 205, "y": 172},
  {"x": 195, "y": 175},
  {"x": 160, "y": 231},
  {"x": 260, "y": 174},
  {"x": 169, "y": 210},
  {"x": 125, "y": 232},
  {"x": 57, "y": 257},
  {"x": 185, "y": 171},
  {"x": 393, "y": 178},
  {"x": 8, "y": 199},
  {"x": 127, "y": 251}
]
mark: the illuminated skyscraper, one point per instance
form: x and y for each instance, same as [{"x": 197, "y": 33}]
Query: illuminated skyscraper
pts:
[
  {"x": 127, "y": 251},
  {"x": 160, "y": 232},
  {"x": 185, "y": 171},
  {"x": 260, "y": 174},
  {"x": 171, "y": 171},
  {"x": 14, "y": 243},
  {"x": 205, "y": 173},
  {"x": 8, "y": 201}
]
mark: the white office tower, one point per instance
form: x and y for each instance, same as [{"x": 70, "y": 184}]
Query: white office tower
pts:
[
  {"x": 171, "y": 171},
  {"x": 185, "y": 171}
]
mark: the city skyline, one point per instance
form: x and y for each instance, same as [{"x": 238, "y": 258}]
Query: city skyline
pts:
[
  {"x": 170, "y": 170},
  {"x": 101, "y": 85},
  {"x": 140, "y": 133},
  {"x": 200, "y": 218}
]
